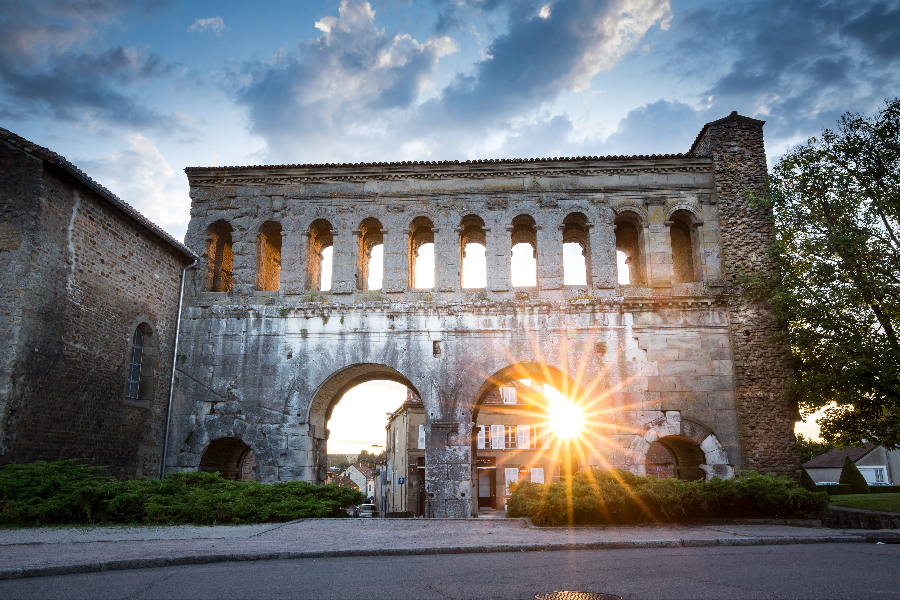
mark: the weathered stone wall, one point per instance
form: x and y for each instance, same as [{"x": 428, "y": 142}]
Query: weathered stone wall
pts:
[
  {"x": 85, "y": 276},
  {"x": 661, "y": 360},
  {"x": 761, "y": 352}
]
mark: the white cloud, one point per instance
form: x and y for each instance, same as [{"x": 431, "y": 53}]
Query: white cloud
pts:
[
  {"x": 141, "y": 176},
  {"x": 213, "y": 24}
]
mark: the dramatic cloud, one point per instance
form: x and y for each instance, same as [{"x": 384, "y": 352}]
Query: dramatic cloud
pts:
[
  {"x": 43, "y": 70},
  {"x": 659, "y": 128},
  {"x": 213, "y": 24},
  {"x": 359, "y": 92},
  {"x": 142, "y": 177},
  {"x": 797, "y": 64}
]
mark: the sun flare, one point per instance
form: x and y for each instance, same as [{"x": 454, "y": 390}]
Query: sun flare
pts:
[{"x": 566, "y": 418}]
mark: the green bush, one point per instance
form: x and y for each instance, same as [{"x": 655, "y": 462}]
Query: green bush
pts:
[
  {"x": 835, "y": 490},
  {"x": 851, "y": 476},
  {"x": 595, "y": 496},
  {"x": 66, "y": 493},
  {"x": 884, "y": 489}
]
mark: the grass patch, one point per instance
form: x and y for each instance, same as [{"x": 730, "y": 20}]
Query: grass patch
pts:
[
  {"x": 65, "y": 493},
  {"x": 601, "y": 497},
  {"x": 879, "y": 502}
]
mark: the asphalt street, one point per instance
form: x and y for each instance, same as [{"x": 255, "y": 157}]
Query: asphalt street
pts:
[{"x": 802, "y": 571}]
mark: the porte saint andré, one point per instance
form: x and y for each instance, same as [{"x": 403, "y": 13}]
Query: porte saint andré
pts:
[{"x": 678, "y": 355}]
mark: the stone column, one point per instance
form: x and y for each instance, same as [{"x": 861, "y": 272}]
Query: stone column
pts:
[
  {"x": 709, "y": 243},
  {"x": 449, "y": 487},
  {"x": 446, "y": 259},
  {"x": 243, "y": 266},
  {"x": 499, "y": 248},
  {"x": 604, "y": 269},
  {"x": 396, "y": 260},
  {"x": 293, "y": 261},
  {"x": 344, "y": 261},
  {"x": 659, "y": 245},
  {"x": 549, "y": 257}
]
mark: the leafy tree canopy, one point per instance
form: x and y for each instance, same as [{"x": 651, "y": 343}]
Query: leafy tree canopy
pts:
[
  {"x": 836, "y": 202},
  {"x": 370, "y": 459},
  {"x": 809, "y": 448}
]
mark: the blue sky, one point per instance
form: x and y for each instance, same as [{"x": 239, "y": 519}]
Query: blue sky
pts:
[{"x": 133, "y": 91}]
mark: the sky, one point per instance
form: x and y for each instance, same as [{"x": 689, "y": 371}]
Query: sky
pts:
[{"x": 134, "y": 91}]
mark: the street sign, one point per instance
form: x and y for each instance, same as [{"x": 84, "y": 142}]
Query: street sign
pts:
[{"x": 401, "y": 480}]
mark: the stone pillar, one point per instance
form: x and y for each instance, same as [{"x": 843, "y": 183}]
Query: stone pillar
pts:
[
  {"x": 344, "y": 272},
  {"x": 709, "y": 243},
  {"x": 604, "y": 270},
  {"x": 446, "y": 259},
  {"x": 549, "y": 257},
  {"x": 659, "y": 245},
  {"x": 449, "y": 487},
  {"x": 396, "y": 260},
  {"x": 243, "y": 266},
  {"x": 499, "y": 252},
  {"x": 293, "y": 261}
]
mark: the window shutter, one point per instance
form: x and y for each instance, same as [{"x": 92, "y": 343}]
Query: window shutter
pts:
[
  {"x": 537, "y": 475},
  {"x": 522, "y": 437},
  {"x": 497, "y": 437},
  {"x": 545, "y": 437},
  {"x": 481, "y": 437},
  {"x": 421, "y": 436},
  {"x": 512, "y": 476}
]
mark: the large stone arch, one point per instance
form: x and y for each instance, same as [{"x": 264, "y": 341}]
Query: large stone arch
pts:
[
  {"x": 682, "y": 434},
  {"x": 327, "y": 396}
]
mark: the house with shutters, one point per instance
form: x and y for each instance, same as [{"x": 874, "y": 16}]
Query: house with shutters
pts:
[
  {"x": 511, "y": 438},
  {"x": 877, "y": 464}
]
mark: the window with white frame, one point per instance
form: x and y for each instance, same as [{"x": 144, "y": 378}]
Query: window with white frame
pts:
[
  {"x": 510, "y": 436},
  {"x": 537, "y": 475},
  {"x": 508, "y": 394},
  {"x": 421, "y": 436}
]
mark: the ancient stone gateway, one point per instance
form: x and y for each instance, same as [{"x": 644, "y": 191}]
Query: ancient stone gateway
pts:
[{"x": 678, "y": 355}]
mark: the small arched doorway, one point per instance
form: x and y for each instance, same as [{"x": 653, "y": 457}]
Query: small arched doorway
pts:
[
  {"x": 675, "y": 457},
  {"x": 230, "y": 457}
]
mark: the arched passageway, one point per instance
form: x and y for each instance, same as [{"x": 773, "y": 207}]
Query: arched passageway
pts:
[{"x": 230, "y": 457}]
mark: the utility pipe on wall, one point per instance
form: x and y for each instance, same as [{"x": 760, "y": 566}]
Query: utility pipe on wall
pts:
[{"x": 162, "y": 466}]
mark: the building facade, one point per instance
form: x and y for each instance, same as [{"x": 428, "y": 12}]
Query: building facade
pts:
[
  {"x": 89, "y": 294},
  {"x": 678, "y": 354}
]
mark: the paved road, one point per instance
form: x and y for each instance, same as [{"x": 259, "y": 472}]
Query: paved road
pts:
[{"x": 802, "y": 571}]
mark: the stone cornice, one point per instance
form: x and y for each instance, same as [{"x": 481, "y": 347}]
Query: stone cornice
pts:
[{"x": 500, "y": 169}]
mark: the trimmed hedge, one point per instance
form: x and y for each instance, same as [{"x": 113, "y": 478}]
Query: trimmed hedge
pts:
[
  {"x": 850, "y": 475},
  {"x": 603, "y": 497},
  {"x": 884, "y": 489},
  {"x": 65, "y": 493},
  {"x": 842, "y": 489}
]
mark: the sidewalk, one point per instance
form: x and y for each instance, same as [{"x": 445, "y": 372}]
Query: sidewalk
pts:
[{"x": 57, "y": 551}]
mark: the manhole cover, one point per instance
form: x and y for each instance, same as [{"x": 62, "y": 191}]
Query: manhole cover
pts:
[{"x": 577, "y": 596}]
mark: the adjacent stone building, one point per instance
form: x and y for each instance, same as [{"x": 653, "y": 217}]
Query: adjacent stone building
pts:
[
  {"x": 89, "y": 294},
  {"x": 271, "y": 342}
]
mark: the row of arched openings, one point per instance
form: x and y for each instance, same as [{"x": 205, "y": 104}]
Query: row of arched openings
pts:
[{"x": 523, "y": 252}]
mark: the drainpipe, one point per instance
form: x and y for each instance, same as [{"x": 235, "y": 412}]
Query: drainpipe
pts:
[{"x": 162, "y": 466}]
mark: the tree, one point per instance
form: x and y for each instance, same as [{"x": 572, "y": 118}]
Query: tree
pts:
[
  {"x": 338, "y": 461},
  {"x": 806, "y": 481},
  {"x": 370, "y": 459},
  {"x": 851, "y": 476},
  {"x": 809, "y": 448},
  {"x": 836, "y": 203}
]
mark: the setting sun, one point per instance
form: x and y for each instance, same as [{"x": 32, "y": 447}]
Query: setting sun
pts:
[{"x": 566, "y": 418}]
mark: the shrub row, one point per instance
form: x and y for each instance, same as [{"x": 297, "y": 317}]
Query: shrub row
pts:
[
  {"x": 842, "y": 489},
  {"x": 884, "y": 489},
  {"x": 603, "y": 497},
  {"x": 67, "y": 493}
]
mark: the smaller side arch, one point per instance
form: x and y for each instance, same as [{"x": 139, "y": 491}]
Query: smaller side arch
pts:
[
  {"x": 687, "y": 437},
  {"x": 231, "y": 457}
]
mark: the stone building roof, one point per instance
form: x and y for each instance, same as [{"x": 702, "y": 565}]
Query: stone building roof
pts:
[
  {"x": 835, "y": 458},
  {"x": 53, "y": 158},
  {"x": 734, "y": 116},
  {"x": 344, "y": 481}
]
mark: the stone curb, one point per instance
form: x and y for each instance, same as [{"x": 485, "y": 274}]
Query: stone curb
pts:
[{"x": 201, "y": 559}]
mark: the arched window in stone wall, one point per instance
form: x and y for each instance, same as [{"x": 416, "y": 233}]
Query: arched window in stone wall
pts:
[
  {"x": 523, "y": 262},
  {"x": 576, "y": 250},
  {"x": 421, "y": 253},
  {"x": 219, "y": 257},
  {"x": 629, "y": 245},
  {"x": 370, "y": 255},
  {"x": 230, "y": 457},
  {"x": 141, "y": 364},
  {"x": 319, "y": 252},
  {"x": 684, "y": 247},
  {"x": 472, "y": 247},
  {"x": 268, "y": 257}
]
